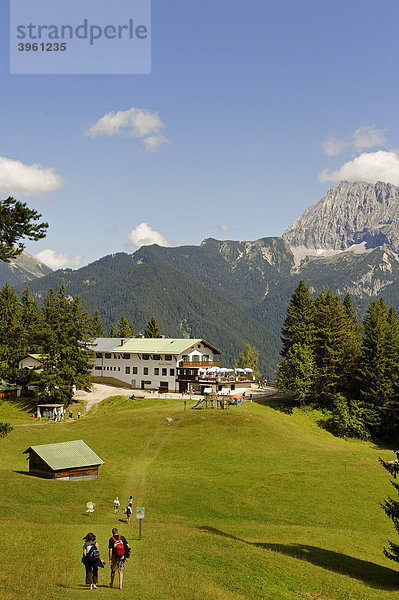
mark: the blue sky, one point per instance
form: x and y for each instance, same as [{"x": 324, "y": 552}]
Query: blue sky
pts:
[{"x": 263, "y": 106}]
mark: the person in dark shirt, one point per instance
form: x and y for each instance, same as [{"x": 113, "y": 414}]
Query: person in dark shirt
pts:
[{"x": 116, "y": 559}]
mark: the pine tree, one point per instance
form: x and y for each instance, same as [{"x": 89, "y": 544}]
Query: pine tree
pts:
[
  {"x": 97, "y": 329},
  {"x": 329, "y": 346},
  {"x": 152, "y": 329},
  {"x": 352, "y": 349},
  {"x": 374, "y": 387},
  {"x": 297, "y": 372},
  {"x": 11, "y": 330},
  {"x": 67, "y": 359},
  {"x": 16, "y": 222},
  {"x": 391, "y": 509},
  {"x": 299, "y": 323},
  {"x": 111, "y": 331},
  {"x": 125, "y": 329},
  {"x": 390, "y": 412},
  {"x": 32, "y": 323}
]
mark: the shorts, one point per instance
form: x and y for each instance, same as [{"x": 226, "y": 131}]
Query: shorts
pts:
[{"x": 118, "y": 563}]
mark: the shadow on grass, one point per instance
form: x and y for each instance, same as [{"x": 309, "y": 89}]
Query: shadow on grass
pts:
[
  {"x": 370, "y": 573},
  {"x": 27, "y": 404},
  {"x": 29, "y": 474},
  {"x": 281, "y": 401}
]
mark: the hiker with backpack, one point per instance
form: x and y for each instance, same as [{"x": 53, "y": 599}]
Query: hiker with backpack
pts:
[
  {"x": 128, "y": 513},
  {"x": 91, "y": 560},
  {"x": 119, "y": 551}
]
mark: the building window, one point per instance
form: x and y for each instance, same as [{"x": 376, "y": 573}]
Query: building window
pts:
[
  {"x": 156, "y": 371},
  {"x": 146, "y": 357},
  {"x": 145, "y": 370},
  {"x": 205, "y": 357},
  {"x": 107, "y": 355},
  {"x": 127, "y": 370},
  {"x": 135, "y": 370},
  {"x": 126, "y": 356},
  {"x": 184, "y": 358},
  {"x": 114, "y": 368},
  {"x": 164, "y": 372},
  {"x": 119, "y": 368},
  {"x": 171, "y": 372},
  {"x": 168, "y": 357},
  {"x": 98, "y": 355},
  {"x": 156, "y": 356},
  {"x": 98, "y": 368}
]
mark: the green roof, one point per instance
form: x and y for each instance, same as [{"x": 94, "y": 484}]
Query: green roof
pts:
[
  {"x": 66, "y": 455},
  {"x": 157, "y": 345},
  {"x": 150, "y": 345}
]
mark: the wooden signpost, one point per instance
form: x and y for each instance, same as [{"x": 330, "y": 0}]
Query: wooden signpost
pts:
[{"x": 140, "y": 514}]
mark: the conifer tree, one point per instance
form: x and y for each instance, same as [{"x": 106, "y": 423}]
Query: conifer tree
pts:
[
  {"x": 97, "y": 329},
  {"x": 111, "y": 331},
  {"x": 32, "y": 323},
  {"x": 152, "y": 329},
  {"x": 391, "y": 509},
  {"x": 329, "y": 346},
  {"x": 125, "y": 328},
  {"x": 11, "y": 330},
  {"x": 297, "y": 372},
  {"x": 352, "y": 348},
  {"x": 299, "y": 323},
  {"x": 374, "y": 387},
  {"x": 67, "y": 358},
  {"x": 16, "y": 222}
]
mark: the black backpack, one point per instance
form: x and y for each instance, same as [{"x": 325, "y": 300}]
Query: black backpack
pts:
[{"x": 93, "y": 554}]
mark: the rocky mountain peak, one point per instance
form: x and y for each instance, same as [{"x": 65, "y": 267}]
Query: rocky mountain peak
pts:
[{"x": 349, "y": 214}]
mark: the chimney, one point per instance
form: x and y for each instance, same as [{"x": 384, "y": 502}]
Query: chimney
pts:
[{"x": 122, "y": 342}]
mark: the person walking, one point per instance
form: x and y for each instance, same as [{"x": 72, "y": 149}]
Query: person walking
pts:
[
  {"x": 130, "y": 502},
  {"x": 116, "y": 504},
  {"x": 78, "y": 414},
  {"x": 91, "y": 560},
  {"x": 128, "y": 512},
  {"x": 119, "y": 551}
]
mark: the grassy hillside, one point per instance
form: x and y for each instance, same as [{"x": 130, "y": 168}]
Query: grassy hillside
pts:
[{"x": 250, "y": 503}]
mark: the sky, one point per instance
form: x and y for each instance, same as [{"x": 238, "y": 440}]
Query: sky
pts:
[{"x": 252, "y": 111}]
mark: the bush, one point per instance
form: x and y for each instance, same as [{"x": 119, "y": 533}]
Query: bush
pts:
[
  {"x": 5, "y": 429},
  {"x": 347, "y": 419}
]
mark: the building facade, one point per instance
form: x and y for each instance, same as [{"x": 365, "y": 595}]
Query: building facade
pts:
[{"x": 152, "y": 363}]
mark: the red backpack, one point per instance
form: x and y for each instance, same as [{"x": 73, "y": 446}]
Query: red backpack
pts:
[{"x": 119, "y": 547}]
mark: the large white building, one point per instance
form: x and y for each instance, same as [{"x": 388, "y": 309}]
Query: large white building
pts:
[{"x": 166, "y": 364}]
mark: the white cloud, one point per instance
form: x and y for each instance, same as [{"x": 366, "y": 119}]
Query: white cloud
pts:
[
  {"x": 134, "y": 122},
  {"x": 366, "y": 136},
  {"x": 144, "y": 235},
  {"x": 19, "y": 179},
  {"x": 58, "y": 261},
  {"x": 224, "y": 228},
  {"x": 369, "y": 166},
  {"x": 154, "y": 142}
]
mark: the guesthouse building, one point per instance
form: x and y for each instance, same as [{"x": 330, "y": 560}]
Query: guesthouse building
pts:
[{"x": 162, "y": 364}]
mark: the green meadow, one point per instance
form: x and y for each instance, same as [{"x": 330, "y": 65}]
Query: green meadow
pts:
[{"x": 247, "y": 503}]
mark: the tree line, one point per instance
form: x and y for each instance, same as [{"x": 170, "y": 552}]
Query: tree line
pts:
[
  {"x": 60, "y": 332},
  {"x": 333, "y": 361}
]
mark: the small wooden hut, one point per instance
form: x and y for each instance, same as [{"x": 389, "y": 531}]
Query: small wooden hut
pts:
[{"x": 65, "y": 460}]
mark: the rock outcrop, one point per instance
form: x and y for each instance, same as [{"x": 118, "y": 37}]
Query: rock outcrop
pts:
[{"x": 349, "y": 214}]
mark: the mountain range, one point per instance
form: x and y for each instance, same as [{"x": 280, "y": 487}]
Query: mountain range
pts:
[{"x": 236, "y": 292}]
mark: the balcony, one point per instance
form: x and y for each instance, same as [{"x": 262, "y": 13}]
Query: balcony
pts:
[{"x": 195, "y": 364}]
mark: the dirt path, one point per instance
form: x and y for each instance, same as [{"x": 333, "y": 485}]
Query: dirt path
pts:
[{"x": 100, "y": 392}]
